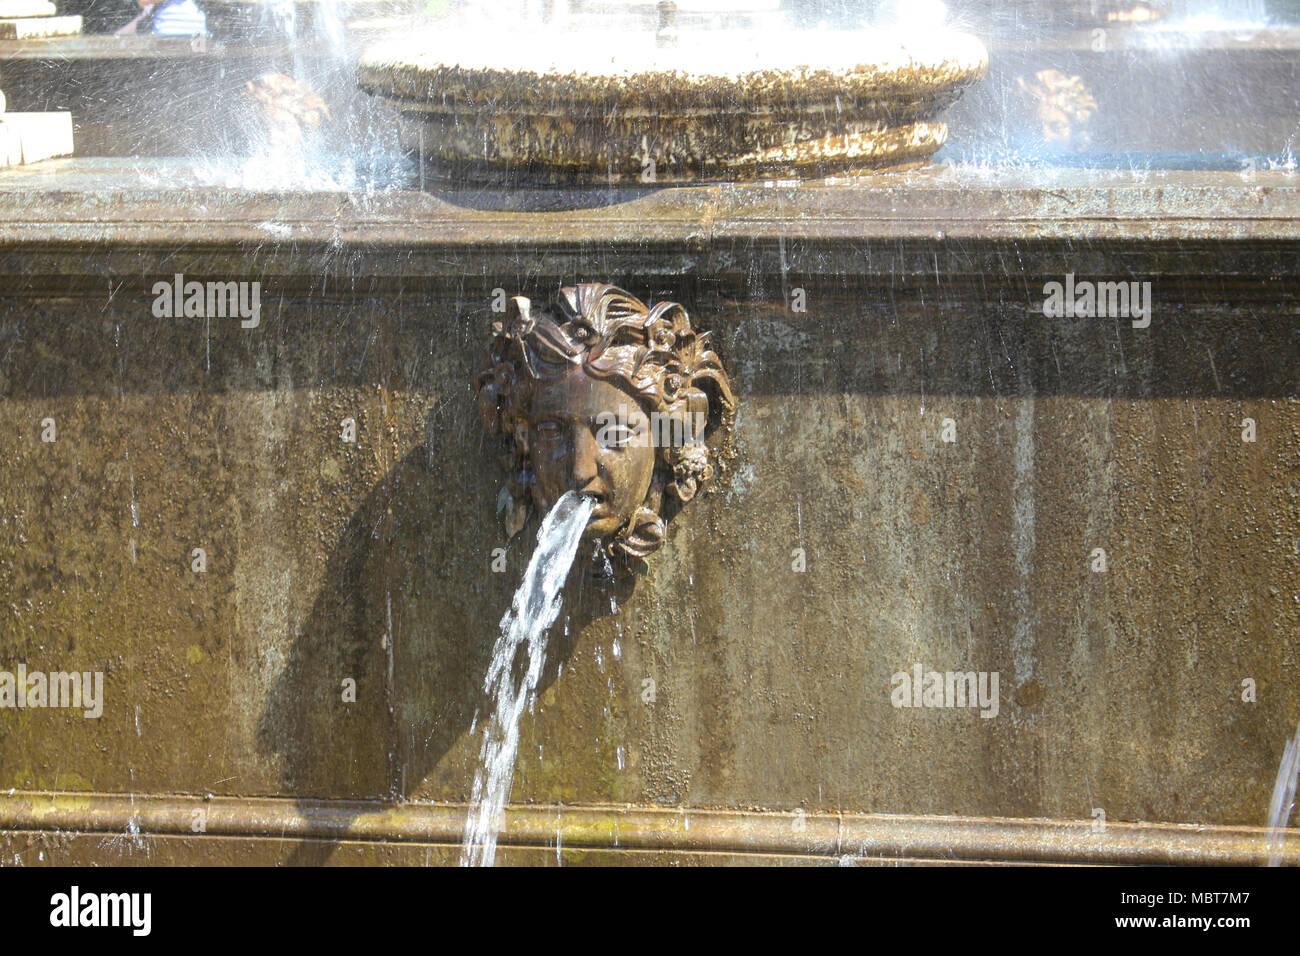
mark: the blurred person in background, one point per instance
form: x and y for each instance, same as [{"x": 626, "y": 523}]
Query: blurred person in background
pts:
[{"x": 168, "y": 18}]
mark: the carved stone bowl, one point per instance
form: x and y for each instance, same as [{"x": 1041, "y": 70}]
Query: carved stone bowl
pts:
[{"x": 563, "y": 107}]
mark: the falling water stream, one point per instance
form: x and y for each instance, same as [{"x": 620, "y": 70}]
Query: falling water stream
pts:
[
  {"x": 536, "y": 605},
  {"x": 1284, "y": 792}
]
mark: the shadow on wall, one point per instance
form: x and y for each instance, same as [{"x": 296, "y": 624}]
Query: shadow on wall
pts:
[{"x": 411, "y": 572}]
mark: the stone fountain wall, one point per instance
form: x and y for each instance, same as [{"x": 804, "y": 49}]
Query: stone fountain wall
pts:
[{"x": 752, "y": 668}]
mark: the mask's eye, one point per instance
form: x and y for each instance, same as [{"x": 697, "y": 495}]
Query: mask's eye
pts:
[
  {"x": 615, "y": 436},
  {"x": 547, "y": 431}
]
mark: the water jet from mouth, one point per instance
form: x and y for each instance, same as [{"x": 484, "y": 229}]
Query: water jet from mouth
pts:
[{"x": 534, "y": 609}]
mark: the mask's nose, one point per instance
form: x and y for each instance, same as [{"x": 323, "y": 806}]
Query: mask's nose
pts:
[{"x": 585, "y": 475}]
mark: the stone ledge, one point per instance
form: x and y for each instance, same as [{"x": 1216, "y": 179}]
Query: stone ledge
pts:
[
  {"x": 79, "y": 201},
  {"x": 669, "y": 830}
]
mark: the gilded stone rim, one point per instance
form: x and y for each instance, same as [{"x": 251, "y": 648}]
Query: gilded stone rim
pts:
[{"x": 411, "y": 73}]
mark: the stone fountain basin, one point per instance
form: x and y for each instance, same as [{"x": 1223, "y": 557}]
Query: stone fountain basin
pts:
[{"x": 727, "y": 105}]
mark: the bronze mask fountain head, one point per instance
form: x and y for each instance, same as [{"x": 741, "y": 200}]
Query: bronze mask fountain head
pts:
[{"x": 601, "y": 394}]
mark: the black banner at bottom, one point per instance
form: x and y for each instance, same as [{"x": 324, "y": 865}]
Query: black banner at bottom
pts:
[{"x": 333, "y": 906}]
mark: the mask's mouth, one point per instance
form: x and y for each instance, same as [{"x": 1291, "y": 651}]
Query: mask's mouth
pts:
[{"x": 601, "y": 524}]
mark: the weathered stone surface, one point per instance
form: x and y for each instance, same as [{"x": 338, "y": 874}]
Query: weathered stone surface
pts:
[{"x": 772, "y": 687}]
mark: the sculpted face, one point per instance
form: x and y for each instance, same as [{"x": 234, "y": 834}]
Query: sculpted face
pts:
[
  {"x": 582, "y": 436},
  {"x": 601, "y": 394}
]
